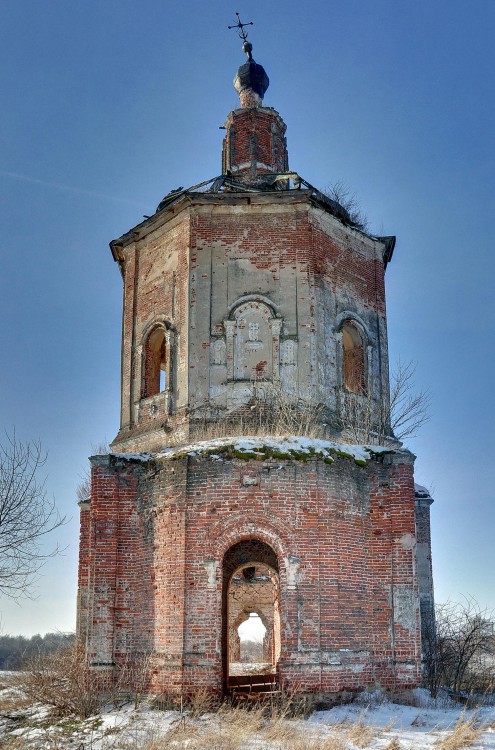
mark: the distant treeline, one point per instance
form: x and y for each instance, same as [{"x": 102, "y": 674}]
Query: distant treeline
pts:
[{"x": 16, "y": 650}]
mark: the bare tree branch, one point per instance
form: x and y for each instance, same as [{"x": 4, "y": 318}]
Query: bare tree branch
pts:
[
  {"x": 83, "y": 491},
  {"x": 409, "y": 409},
  {"x": 461, "y": 651},
  {"x": 26, "y": 516},
  {"x": 366, "y": 420}
]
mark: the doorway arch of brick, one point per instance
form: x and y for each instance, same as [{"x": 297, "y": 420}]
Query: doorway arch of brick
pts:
[{"x": 256, "y": 563}]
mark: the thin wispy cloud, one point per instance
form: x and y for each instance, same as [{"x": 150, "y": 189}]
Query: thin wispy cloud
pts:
[{"x": 69, "y": 188}]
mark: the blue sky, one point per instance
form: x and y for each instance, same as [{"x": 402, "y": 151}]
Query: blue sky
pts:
[{"x": 108, "y": 105}]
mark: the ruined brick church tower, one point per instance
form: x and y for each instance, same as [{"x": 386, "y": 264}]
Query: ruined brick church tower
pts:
[{"x": 254, "y": 474}]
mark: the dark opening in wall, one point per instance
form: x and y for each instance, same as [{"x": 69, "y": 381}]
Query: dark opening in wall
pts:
[
  {"x": 155, "y": 363},
  {"x": 251, "y": 609},
  {"x": 353, "y": 359}
]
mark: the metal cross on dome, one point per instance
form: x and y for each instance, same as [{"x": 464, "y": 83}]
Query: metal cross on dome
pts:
[{"x": 239, "y": 25}]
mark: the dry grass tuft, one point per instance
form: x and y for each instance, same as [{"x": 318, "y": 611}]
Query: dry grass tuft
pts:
[
  {"x": 300, "y": 739},
  {"x": 280, "y": 713},
  {"x": 5, "y": 680},
  {"x": 283, "y": 732},
  {"x": 229, "y": 728},
  {"x": 237, "y": 728},
  {"x": 268, "y": 726},
  {"x": 270, "y": 411},
  {"x": 361, "y": 734},
  {"x": 394, "y": 744},
  {"x": 334, "y": 742},
  {"x": 193, "y": 737},
  {"x": 13, "y": 701},
  {"x": 14, "y": 743},
  {"x": 201, "y": 702},
  {"x": 464, "y": 734},
  {"x": 233, "y": 728}
]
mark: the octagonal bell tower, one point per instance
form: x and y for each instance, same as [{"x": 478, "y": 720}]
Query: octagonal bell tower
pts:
[{"x": 253, "y": 285}]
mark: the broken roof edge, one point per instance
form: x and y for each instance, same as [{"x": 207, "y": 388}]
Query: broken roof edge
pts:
[
  {"x": 422, "y": 494},
  {"x": 178, "y": 198}
]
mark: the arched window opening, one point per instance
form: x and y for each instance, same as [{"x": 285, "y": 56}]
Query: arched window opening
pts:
[
  {"x": 155, "y": 378},
  {"x": 353, "y": 359}
]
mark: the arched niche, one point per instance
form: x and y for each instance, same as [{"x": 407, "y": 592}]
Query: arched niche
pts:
[{"x": 253, "y": 342}]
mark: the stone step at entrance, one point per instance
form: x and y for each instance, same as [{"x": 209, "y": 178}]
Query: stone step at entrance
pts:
[{"x": 253, "y": 687}]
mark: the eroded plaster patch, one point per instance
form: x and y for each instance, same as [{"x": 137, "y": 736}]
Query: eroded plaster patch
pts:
[
  {"x": 292, "y": 565},
  {"x": 211, "y": 567},
  {"x": 407, "y": 541},
  {"x": 405, "y": 607}
]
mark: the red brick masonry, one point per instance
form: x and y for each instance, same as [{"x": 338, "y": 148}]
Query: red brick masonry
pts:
[{"x": 154, "y": 560}]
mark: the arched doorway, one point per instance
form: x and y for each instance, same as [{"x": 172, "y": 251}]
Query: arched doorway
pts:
[{"x": 251, "y": 611}]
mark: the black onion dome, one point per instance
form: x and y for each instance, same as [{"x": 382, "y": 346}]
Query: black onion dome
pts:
[{"x": 251, "y": 76}]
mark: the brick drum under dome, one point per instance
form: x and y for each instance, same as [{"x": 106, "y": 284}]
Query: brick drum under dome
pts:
[{"x": 251, "y": 299}]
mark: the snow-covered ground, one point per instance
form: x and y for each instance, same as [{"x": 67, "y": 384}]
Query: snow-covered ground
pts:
[
  {"x": 421, "y": 726},
  {"x": 369, "y": 723}
]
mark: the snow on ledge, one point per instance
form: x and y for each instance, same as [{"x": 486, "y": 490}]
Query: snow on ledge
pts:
[
  {"x": 419, "y": 488},
  {"x": 276, "y": 447}
]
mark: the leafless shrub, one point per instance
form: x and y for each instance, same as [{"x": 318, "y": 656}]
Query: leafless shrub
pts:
[
  {"x": 62, "y": 681},
  {"x": 341, "y": 194},
  {"x": 167, "y": 702},
  {"x": 362, "y": 420},
  {"x": 461, "y": 650},
  {"x": 131, "y": 682},
  {"x": 27, "y": 515},
  {"x": 368, "y": 421},
  {"x": 271, "y": 411}
]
